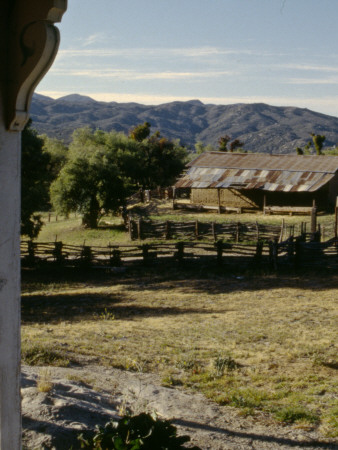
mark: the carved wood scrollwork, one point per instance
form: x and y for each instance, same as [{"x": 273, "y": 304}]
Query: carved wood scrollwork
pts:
[{"x": 34, "y": 42}]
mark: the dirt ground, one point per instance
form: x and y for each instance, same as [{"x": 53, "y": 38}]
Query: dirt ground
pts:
[{"x": 83, "y": 396}]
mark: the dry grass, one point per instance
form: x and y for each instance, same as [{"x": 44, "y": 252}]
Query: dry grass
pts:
[{"x": 280, "y": 332}]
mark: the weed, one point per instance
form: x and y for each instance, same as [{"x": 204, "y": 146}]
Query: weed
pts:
[
  {"x": 39, "y": 356},
  {"x": 292, "y": 414},
  {"x": 222, "y": 363},
  {"x": 107, "y": 315},
  {"x": 44, "y": 383},
  {"x": 143, "y": 431}
]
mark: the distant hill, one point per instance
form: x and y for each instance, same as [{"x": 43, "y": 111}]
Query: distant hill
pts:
[{"x": 263, "y": 128}]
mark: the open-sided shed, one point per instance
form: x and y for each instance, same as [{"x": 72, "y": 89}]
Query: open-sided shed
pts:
[{"x": 255, "y": 180}]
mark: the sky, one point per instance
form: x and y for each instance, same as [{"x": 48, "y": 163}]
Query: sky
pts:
[{"x": 280, "y": 52}]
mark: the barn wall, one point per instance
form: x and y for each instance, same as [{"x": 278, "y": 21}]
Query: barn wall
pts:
[
  {"x": 333, "y": 190},
  {"x": 255, "y": 198},
  {"x": 228, "y": 197}
]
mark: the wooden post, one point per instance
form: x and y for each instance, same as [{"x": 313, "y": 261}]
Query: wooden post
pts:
[
  {"x": 174, "y": 198},
  {"x": 179, "y": 255},
  {"x": 237, "y": 231},
  {"x": 219, "y": 247},
  {"x": 196, "y": 228},
  {"x": 259, "y": 251},
  {"x": 115, "y": 258},
  {"x": 139, "y": 229},
  {"x": 57, "y": 252},
  {"x": 130, "y": 226},
  {"x": 257, "y": 231},
  {"x": 273, "y": 253},
  {"x": 213, "y": 230},
  {"x": 313, "y": 222},
  {"x": 167, "y": 229},
  {"x": 145, "y": 252},
  {"x": 264, "y": 203},
  {"x": 219, "y": 200},
  {"x": 282, "y": 231}
]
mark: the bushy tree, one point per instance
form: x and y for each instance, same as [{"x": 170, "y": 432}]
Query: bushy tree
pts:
[
  {"x": 103, "y": 168},
  {"x": 317, "y": 142},
  {"x": 35, "y": 180}
]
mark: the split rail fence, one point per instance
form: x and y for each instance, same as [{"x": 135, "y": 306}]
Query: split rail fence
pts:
[
  {"x": 141, "y": 229},
  {"x": 293, "y": 252}
]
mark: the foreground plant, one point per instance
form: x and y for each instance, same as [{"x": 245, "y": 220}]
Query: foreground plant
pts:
[{"x": 140, "y": 432}]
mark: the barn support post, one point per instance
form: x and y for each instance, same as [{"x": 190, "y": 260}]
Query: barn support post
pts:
[
  {"x": 139, "y": 229},
  {"x": 313, "y": 223}
]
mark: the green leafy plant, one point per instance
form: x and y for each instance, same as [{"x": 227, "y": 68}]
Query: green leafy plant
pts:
[
  {"x": 140, "y": 432},
  {"x": 295, "y": 414},
  {"x": 221, "y": 363}
]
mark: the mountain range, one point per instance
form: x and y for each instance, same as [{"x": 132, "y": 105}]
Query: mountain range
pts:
[{"x": 261, "y": 127}]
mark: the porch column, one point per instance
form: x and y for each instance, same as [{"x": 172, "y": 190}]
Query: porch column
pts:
[{"x": 28, "y": 45}]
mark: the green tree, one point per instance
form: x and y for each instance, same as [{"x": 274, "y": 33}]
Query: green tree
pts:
[
  {"x": 318, "y": 141},
  {"x": 57, "y": 152},
  {"x": 140, "y": 132},
  {"x": 89, "y": 186},
  {"x": 35, "y": 180}
]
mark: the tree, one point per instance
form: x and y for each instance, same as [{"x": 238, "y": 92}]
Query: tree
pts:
[
  {"x": 35, "y": 180},
  {"x": 317, "y": 141},
  {"x": 223, "y": 144},
  {"x": 57, "y": 152},
  {"x": 140, "y": 132},
  {"x": 88, "y": 186}
]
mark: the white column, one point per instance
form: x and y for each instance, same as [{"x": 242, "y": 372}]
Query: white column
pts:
[{"x": 10, "y": 410}]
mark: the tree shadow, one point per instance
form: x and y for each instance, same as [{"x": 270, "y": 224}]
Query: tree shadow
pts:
[{"x": 77, "y": 307}]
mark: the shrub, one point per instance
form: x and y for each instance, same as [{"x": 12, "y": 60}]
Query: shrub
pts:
[{"x": 140, "y": 432}]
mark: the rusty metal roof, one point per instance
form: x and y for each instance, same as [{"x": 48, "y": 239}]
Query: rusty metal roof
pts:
[{"x": 286, "y": 173}]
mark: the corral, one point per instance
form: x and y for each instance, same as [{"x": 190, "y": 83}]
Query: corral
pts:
[{"x": 245, "y": 181}]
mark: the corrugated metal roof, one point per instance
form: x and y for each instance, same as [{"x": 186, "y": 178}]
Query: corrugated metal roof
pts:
[
  {"x": 261, "y": 161},
  {"x": 284, "y": 173}
]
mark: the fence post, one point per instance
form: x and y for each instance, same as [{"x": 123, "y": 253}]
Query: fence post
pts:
[
  {"x": 257, "y": 229},
  {"x": 115, "y": 258},
  {"x": 57, "y": 252},
  {"x": 196, "y": 229},
  {"x": 86, "y": 256},
  {"x": 314, "y": 219},
  {"x": 219, "y": 247},
  {"x": 219, "y": 200},
  {"x": 259, "y": 251},
  {"x": 237, "y": 231},
  {"x": 282, "y": 231},
  {"x": 273, "y": 253},
  {"x": 145, "y": 252},
  {"x": 213, "y": 230},
  {"x": 31, "y": 253},
  {"x": 180, "y": 251},
  {"x": 167, "y": 229}
]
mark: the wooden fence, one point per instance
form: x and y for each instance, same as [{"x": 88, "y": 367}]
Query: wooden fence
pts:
[
  {"x": 140, "y": 229},
  {"x": 294, "y": 253}
]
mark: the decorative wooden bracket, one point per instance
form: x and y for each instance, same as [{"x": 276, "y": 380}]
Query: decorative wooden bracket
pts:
[{"x": 34, "y": 42}]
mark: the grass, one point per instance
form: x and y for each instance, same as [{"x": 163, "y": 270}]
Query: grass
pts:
[
  {"x": 260, "y": 344},
  {"x": 111, "y": 228}
]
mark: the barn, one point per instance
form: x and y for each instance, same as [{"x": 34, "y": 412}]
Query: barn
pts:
[{"x": 273, "y": 183}]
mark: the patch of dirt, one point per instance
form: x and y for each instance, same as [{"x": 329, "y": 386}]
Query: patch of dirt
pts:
[{"x": 82, "y": 397}]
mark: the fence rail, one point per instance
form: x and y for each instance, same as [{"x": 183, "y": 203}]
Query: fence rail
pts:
[{"x": 293, "y": 252}]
